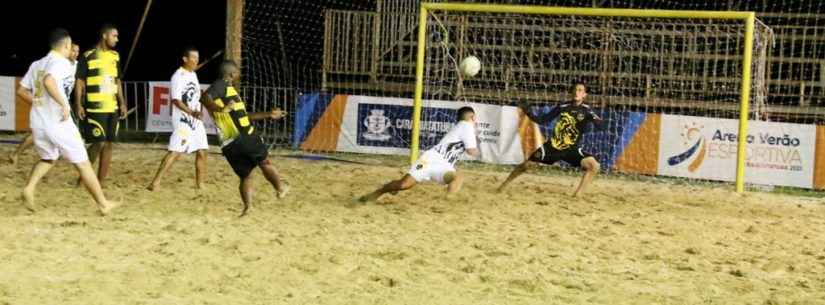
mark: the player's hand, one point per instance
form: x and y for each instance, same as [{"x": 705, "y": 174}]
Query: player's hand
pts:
[
  {"x": 197, "y": 114},
  {"x": 228, "y": 107},
  {"x": 67, "y": 113},
  {"x": 277, "y": 113},
  {"x": 81, "y": 113},
  {"x": 123, "y": 112}
]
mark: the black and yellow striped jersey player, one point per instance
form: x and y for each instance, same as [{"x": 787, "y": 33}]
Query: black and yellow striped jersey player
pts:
[
  {"x": 240, "y": 143},
  {"x": 574, "y": 118}
]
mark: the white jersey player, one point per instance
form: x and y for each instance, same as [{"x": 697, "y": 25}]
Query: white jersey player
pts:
[
  {"x": 54, "y": 133},
  {"x": 438, "y": 163},
  {"x": 189, "y": 133}
]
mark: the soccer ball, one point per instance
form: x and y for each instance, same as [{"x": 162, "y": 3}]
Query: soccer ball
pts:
[{"x": 470, "y": 66}]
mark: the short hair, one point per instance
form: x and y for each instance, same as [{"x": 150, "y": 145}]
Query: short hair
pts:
[
  {"x": 226, "y": 65},
  {"x": 106, "y": 28},
  {"x": 576, "y": 83},
  {"x": 462, "y": 111},
  {"x": 186, "y": 50},
  {"x": 57, "y": 37}
]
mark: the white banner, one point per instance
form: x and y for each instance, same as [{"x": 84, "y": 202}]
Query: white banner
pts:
[
  {"x": 705, "y": 148},
  {"x": 159, "y": 112},
  {"x": 383, "y": 125},
  {"x": 7, "y": 100}
]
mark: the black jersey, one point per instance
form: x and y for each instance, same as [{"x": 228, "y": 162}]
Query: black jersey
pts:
[{"x": 569, "y": 129}]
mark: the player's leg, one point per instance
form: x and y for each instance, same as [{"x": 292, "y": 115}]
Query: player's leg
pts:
[
  {"x": 71, "y": 147},
  {"x": 94, "y": 134},
  {"x": 48, "y": 152},
  {"x": 245, "y": 188},
  {"x": 27, "y": 142},
  {"x": 111, "y": 126},
  {"x": 165, "y": 165},
  {"x": 591, "y": 167},
  {"x": 38, "y": 171},
  {"x": 200, "y": 168},
  {"x": 89, "y": 180},
  {"x": 273, "y": 177},
  {"x": 402, "y": 184},
  {"x": 518, "y": 171},
  {"x": 453, "y": 181}
]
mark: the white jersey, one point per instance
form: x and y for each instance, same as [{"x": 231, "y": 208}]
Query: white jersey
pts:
[
  {"x": 460, "y": 138},
  {"x": 69, "y": 85},
  {"x": 45, "y": 111},
  {"x": 186, "y": 88},
  {"x": 189, "y": 133}
]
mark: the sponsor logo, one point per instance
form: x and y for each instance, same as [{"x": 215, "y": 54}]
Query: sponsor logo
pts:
[
  {"x": 377, "y": 125},
  {"x": 696, "y": 144}
]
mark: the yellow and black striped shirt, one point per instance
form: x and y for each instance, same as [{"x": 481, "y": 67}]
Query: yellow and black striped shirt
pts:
[
  {"x": 236, "y": 121},
  {"x": 100, "y": 70}
]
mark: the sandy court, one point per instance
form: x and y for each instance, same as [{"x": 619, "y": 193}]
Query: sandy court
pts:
[{"x": 625, "y": 243}]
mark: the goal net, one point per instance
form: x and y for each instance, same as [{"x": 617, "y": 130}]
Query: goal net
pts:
[{"x": 660, "y": 84}]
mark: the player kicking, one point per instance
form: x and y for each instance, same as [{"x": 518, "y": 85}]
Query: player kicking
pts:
[
  {"x": 438, "y": 163},
  {"x": 55, "y": 134},
  {"x": 573, "y": 117},
  {"x": 240, "y": 144},
  {"x": 28, "y": 140},
  {"x": 189, "y": 134}
]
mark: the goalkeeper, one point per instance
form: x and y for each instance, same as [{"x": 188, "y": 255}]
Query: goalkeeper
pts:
[{"x": 573, "y": 119}]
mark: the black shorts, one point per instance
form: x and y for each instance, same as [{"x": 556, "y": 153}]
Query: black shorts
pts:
[
  {"x": 548, "y": 155},
  {"x": 245, "y": 153},
  {"x": 100, "y": 127}
]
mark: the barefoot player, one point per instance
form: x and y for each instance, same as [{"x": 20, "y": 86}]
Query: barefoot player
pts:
[
  {"x": 28, "y": 140},
  {"x": 189, "y": 133},
  {"x": 438, "y": 163},
  {"x": 55, "y": 134},
  {"x": 240, "y": 143},
  {"x": 573, "y": 118}
]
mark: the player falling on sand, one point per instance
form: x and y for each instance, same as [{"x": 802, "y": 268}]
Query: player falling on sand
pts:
[
  {"x": 573, "y": 119},
  {"x": 28, "y": 140},
  {"x": 55, "y": 134},
  {"x": 99, "y": 101},
  {"x": 241, "y": 145},
  {"x": 189, "y": 133},
  {"x": 438, "y": 163}
]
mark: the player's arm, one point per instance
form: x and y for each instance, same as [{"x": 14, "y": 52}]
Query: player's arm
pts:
[
  {"x": 542, "y": 118},
  {"x": 51, "y": 88},
  {"x": 80, "y": 86},
  {"x": 25, "y": 94},
  {"x": 470, "y": 140},
  {"x": 209, "y": 102},
  {"x": 182, "y": 107},
  {"x": 274, "y": 114},
  {"x": 176, "y": 96},
  {"x": 121, "y": 101}
]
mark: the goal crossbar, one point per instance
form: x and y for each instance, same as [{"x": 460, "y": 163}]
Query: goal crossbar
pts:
[{"x": 748, "y": 19}]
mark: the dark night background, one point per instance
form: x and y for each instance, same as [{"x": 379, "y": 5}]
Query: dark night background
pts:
[{"x": 170, "y": 26}]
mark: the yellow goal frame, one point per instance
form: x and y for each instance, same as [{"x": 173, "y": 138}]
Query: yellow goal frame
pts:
[{"x": 749, "y": 18}]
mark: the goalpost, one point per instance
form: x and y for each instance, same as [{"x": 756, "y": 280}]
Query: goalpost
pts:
[{"x": 649, "y": 61}]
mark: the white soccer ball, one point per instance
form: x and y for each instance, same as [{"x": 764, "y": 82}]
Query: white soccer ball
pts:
[{"x": 470, "y": 66}]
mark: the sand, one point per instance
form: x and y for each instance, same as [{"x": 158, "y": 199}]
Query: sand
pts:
[{"x": 626, "y": 242}]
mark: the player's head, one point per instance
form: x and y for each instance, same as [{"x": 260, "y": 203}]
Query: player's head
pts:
[
  {"x": 466, "y": 113},
  {"x": 109, "y": 35},
  {"x": 60, "y": 41},
  {"x": 229, "y": 70},
  {"x": 75, "y": 52},
  {"x": 190, "y": 58},
  {"x": 579, "y": 91}
]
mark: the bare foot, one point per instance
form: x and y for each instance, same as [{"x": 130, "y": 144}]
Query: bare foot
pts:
[
  {"x": 283, "y": 193},
  {"x": 368, "y": 198},
  {"x": 27, "y": 197},
  {"x": 246, "y": 209},
  {"x": 106, "y": 208}
]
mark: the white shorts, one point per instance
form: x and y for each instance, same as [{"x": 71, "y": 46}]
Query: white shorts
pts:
[
  {"x": 184, "y": 139},
  {"x": 430, "y": 167},
  {"x": 61, "y": 139}
]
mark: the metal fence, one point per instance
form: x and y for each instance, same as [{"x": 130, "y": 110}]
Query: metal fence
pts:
[{"x": 277, "y": 133}]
